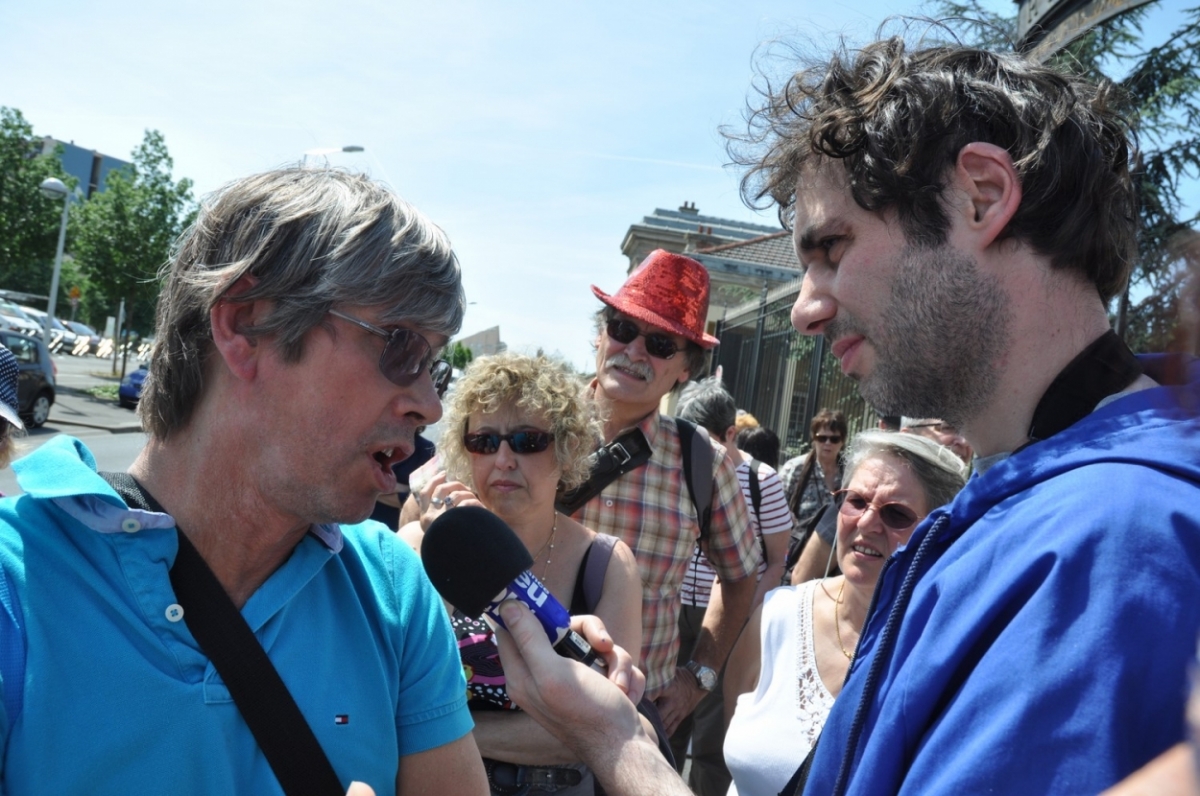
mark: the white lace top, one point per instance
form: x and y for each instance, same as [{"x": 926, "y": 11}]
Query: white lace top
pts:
[{"x": 775, "y": 726}]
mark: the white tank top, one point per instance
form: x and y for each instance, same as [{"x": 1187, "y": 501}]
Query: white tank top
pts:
[{"x": 774, "y": 727}]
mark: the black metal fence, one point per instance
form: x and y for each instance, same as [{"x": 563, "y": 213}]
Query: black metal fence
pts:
[{"x": 781, "y": 377}]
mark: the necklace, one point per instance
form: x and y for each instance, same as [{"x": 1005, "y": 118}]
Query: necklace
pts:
[
  {"x": 837, "y": 621},
  {"x": 549, "y": 544}
]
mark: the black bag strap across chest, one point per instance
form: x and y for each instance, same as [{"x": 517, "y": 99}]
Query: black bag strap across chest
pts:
[{"x": 283, "y": 734}]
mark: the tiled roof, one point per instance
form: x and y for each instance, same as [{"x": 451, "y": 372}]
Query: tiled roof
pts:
[{"x": 774, "y": 249}]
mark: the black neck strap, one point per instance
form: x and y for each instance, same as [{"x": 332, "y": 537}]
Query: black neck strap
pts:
[{"x": 1105, "y": 367}]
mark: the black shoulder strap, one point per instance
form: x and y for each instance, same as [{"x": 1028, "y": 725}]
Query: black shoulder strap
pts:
[
  {"x": 755, "y": 492},
  {"x": 697, "y": 454},
  {"x": 283, "y": 734},
  {"x": 627, "y": 452}
]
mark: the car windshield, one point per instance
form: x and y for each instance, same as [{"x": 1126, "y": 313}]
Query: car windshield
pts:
[
  {"x": 12, "y": 311},
  {"x": 81, "y": 328}
]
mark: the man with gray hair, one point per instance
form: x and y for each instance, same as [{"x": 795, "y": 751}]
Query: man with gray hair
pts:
[{"x": 297, "y": 327}]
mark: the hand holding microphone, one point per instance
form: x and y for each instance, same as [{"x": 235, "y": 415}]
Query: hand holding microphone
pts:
[{"x": 476, "y": 562}]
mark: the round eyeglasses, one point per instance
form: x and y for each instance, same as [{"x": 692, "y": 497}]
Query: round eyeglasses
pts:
[{"x": 896, "y": 516}]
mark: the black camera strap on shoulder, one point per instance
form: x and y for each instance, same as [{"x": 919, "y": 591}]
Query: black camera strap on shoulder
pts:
[
  {"x": 608, "y": 463},
  {"x": 282, "y": 732}
]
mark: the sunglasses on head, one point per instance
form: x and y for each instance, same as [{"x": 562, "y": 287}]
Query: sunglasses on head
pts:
[
  {"x": 406, "y": 354},
  {"x": 485, "y": 443},
  {"x": 658, "y": 344},
  {"x": 896, "y": 516},
  {"x": 830, "y": 438}
]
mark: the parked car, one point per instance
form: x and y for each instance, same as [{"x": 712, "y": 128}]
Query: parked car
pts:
[
  {"x": 61, "y": 338},
  {"x": 36, "y": 384},
  {"x": 13, "y": 319},
  {"x": 130, "y": 391},
  {"x": 83, "y": 330}
]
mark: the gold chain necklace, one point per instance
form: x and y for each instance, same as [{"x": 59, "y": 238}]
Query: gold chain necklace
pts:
[
  {"x": 837, "y": 621},
  {"x": 550, "y": 544}
]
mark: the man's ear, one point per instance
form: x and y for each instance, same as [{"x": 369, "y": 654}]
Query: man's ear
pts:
[
  {"x": 230, "y": 318},
  {"x": 731, "y": 435},
  {"x": 985, "y": 174}
]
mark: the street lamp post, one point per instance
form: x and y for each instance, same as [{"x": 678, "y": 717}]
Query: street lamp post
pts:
[
  {"x": 54, "y": 188},
  {"x": 328, "y": 150}
]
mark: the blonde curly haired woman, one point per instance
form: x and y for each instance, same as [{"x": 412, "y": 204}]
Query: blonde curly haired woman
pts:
[{"x": 517, "y": 428}]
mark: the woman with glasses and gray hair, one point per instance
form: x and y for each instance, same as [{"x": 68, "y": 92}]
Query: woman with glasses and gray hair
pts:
[
  {"x": 789, "y": 664},
  {"x": 516, "y": 430}
]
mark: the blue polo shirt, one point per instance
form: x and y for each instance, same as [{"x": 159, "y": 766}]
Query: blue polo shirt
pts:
[{"x": 112, "y": 693}]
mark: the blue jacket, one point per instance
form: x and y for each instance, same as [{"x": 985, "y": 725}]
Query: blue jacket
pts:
[{"x": 1033, "y": 637}]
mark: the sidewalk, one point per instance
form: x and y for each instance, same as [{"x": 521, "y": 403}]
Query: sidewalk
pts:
[{"x": 74, "y": 406}]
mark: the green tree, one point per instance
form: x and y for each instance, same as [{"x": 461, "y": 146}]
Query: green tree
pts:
[
  {"x": 124, "y": 235},
  {"x": 459, "y": 355},
  {"x": 1161, "y": 82},
  {"x": 29, "y": 221}
]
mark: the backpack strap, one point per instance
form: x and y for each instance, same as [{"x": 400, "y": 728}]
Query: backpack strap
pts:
[
  {"x": 756, "y": 504},
  {"x": 594, "y": 570},
  {"x": 755, "y": 492},
  {"x": 696, "y": 447}
]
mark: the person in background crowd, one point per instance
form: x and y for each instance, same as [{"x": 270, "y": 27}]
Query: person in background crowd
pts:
[
  {"x": 517, "y": 427},
  {"x": 651, "y": 340},
  {"x": 788, "y": 666},
  {"x": 810, "y": 480},
  {"x": 940, "y": 432},
  {"x": 259, "y": 470},
  {"x": 745, "y": 421},
  {"x": 10, "y": 420},
  {"x": 707, "y": 404},
  {"x": 760, "y": 442},
  {"x": 963, "y": 219}
]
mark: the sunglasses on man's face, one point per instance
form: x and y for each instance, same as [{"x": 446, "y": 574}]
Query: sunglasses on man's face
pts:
[
  {"x": 406, "y": 355},
  {"x": 827, "y": 438},
  {"x": 896, "y": 516},
  {"x": 658, "y": 344},
  {"x": 486, "y": 443}
]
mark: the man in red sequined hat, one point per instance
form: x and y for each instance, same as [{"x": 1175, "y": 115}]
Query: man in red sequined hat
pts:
[{"x": 651, "y": 340}]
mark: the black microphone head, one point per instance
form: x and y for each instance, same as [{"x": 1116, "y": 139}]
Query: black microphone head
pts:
[{"x": 471, "y": 555}]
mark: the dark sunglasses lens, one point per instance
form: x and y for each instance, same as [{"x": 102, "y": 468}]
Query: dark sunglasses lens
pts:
[
  {"x": 440, "y": 373},
  {"x": 529, "y": 441},
  {"x": 404, "y": 357},
  {"x": 661, "y": 346},
  {"x": 897, "y": 517},
  {"x": 622, "y": 331},
  {"x": 482, "y": 443},
  {"x": 854, "y": 504},
  {"x": 830, "y": 440}
]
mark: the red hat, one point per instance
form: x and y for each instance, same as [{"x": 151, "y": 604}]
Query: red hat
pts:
[{"x": 669, "y": 291}]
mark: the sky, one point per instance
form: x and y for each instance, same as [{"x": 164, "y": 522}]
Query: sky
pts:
[{"x": 533, "y": 133}]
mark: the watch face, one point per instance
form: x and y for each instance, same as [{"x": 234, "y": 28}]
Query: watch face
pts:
[{"x": 705, "y": 676}]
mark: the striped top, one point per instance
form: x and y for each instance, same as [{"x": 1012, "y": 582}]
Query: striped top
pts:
[{"x": 776, "y": 518}]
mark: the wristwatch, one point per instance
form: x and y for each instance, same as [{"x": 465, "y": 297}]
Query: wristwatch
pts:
[{"x": 706, "y": 678}]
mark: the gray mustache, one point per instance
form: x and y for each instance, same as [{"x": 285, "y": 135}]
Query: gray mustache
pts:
[{"x": 640, "y": 369}]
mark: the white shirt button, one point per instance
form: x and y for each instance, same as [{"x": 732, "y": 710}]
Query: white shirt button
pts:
[
  {"x": 130, "y": 525},
  {"x": 174, "y": 612},
  {"x": 608, "y": 503}
]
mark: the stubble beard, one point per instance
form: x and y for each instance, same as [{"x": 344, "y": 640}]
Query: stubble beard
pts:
[{"x": 940, "y": 338}]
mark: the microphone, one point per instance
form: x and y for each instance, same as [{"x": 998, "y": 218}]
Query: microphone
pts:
[{"x": 475, "y": 561}]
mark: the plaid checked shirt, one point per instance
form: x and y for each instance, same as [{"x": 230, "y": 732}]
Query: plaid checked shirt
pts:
[{"x": 651, "y": 510}]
